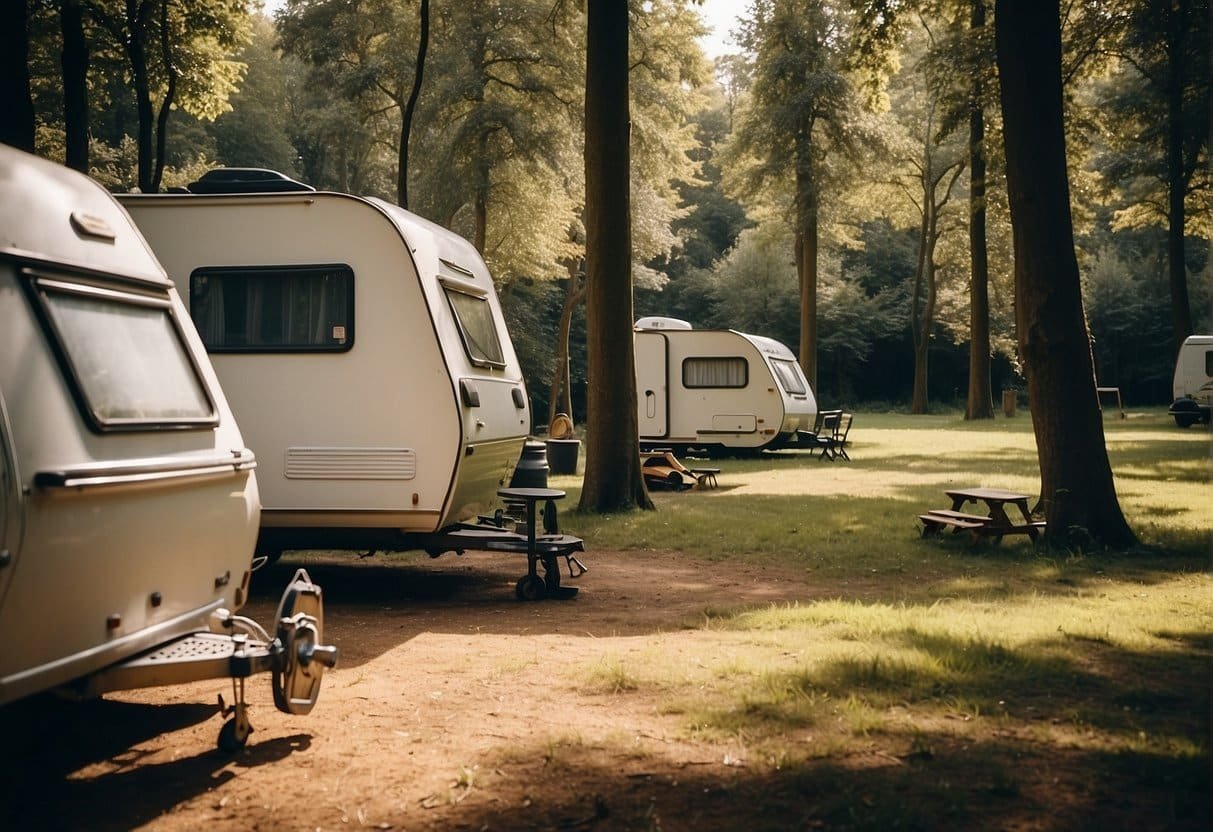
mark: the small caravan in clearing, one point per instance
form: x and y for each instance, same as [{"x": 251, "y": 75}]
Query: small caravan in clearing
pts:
[
  {"x": 128, "y": 501},
  {"x": 717, "y": 390},
  {"x": 363, "y": 349},
  {"x": 1192, "y": 385}
]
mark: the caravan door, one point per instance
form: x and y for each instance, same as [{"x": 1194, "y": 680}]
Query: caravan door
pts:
[{"x": 652, "y": 384}]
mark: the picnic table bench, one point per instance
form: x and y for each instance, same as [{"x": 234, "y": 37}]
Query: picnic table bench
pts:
[{"x": 996, "y": 523}]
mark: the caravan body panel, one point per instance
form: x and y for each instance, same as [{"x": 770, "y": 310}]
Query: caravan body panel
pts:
[
  {"x": 390, "y": 422},
  {"x": 718, "y": 389},
  {"x": 128, "y": 505}
]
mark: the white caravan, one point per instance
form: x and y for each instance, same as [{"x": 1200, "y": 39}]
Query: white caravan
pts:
[
  {"x": 128, "y": 502},
  {"x": 362, "y": 348},
  {"x": 1192, "y": 386},
  {"x": 718, "y": 391}
]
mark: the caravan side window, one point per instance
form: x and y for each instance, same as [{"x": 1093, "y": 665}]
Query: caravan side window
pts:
[
  {"x": 476, "y": 327},
  {"x": 125, "y": 357},
  {"x": 791, "y": 380},
  {"x": 715, "y": 371},
  {"x": 274, "y": 308}
]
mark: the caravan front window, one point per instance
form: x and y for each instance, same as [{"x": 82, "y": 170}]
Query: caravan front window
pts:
[
  {"x": 477, "y": 328},
  {"x": 125, "y": 356},
  {"x": 715, "y": 371},
  {"x": 274, "y": 308},
  {"x": 789, "y": 377}
]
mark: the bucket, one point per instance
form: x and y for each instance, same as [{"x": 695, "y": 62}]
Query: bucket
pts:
[{"x": 562, "y": 455}]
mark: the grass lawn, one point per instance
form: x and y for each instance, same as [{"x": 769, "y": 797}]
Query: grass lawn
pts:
[{"x": 992, "y": 676}]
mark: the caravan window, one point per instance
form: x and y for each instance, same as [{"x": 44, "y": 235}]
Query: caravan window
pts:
[
  {"x": 274, "y": 308},
  {"x": 125, "y": 356},
  {"x": 477, "y": 328},
  {"x": 791, "y": 381},
  {"x": 715, "y": 371}
]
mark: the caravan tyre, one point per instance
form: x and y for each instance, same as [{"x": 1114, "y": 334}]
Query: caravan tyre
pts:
[
  {"x": 230, "y": 739},
  {"x": 530, "y": 588}
]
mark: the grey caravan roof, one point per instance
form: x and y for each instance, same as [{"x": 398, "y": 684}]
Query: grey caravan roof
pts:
[
  {"x": 53, "y": 214},
  {"x": 419, "y": 233}
]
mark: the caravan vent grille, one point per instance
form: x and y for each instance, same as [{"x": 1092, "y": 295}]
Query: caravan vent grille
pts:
[{"x": 351, "y": 463}]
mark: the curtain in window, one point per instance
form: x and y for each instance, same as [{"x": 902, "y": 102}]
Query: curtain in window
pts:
[{"x": 714, "y": 372}]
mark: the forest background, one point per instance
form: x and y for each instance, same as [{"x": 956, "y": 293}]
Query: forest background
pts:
[{"x": 487, "y": 140}]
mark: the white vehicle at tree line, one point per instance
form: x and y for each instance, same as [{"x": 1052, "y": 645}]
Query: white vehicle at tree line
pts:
[
  {"x": 128, "y": 499},
  {"x": 718, "y": 390},
  {"x": 1192, "y": 384}
]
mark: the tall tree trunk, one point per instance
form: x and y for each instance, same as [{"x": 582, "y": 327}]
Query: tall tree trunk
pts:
[
  {"x": 806, "y": 266},
  {"x": 560, "y": 397},
  {"x": 922, "y": 314},
  {"x": 1176, "y": 33},
  {"x": 170, "y": 94},
  {"x": 75, "y": 84},
  {"x": 410, "y": 107},
  {"x": 980, "y": 403},
  {"x": 17, "y": 124},
  {"x": 1077, "y": 489},
  {"x": 480, "y": 201},
  {"x": 613, "y": 479},
  {"x": 136, "y": 50}
]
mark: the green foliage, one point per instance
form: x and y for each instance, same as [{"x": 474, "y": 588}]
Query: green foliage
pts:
[
  {"x": 255, "y": 133},
  {"x": 1131, "y": 118}
]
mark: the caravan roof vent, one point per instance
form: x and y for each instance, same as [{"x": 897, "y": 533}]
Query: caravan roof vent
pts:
[
  {"x": 657, "y": 322},
  {"x": 245, "y": 181}
]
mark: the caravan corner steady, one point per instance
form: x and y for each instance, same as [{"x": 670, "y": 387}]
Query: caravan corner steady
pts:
[
  {"x": 128, "y": 501},
  {"x": 364, "y": 350},
  {"x": 717, "y": 390}
]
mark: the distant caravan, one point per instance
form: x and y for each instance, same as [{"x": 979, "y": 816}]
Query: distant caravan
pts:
[
  {"x": 1192, "y": 384},
  {"x": 128, "y": 499},
  {"x": 717, "y": 391},
  {"x": 363, "y": 349}
]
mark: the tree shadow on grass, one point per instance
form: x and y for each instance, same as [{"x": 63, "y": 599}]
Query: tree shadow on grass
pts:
[{"x": 945, "y": 783}]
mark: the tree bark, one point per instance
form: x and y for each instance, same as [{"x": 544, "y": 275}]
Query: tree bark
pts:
[
  {"x": 980, "y": 402},
  {"x": 1176, "y": 33},
  {"x": 16, "y": 103},
  {"x": 560, "y": 397},
  {"x": 1077, "y": 490},
  {"x": 613, "y": 479},
  {"x": 170, "y": 94},
  {"x": 410, "y": 107},
  {"x": 75, "y": 84},
  {"x": 806, "y": 266},
  {"x": 136, "y": 51}
]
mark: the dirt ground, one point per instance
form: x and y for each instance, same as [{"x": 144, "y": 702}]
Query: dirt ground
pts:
[{"x": 455, "y": 706}]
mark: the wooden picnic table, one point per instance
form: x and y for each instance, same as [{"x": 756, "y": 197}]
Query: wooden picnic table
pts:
[{"x": 995, "y": 523}]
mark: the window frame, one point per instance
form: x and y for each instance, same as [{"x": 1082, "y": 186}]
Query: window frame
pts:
[
  {"x": 39, "y": 283},
  {"x": 778, "y": 365},
  {"x": 745, "y": 381},
  {"x": 452, "y": 287},
  {"x": 281, "y": 269}
]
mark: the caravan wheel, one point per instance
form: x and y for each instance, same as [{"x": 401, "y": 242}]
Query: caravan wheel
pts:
[
  {"x": 530, "y": 588},
  {"x": 231, "y": 738}
]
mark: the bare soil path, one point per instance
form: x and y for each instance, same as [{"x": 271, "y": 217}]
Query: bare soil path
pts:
[
  {"x": 454, "y": 706},
  {"x": 457, "y": 707}
]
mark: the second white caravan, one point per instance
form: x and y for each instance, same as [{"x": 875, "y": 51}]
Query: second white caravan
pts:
[
  {"x": 362, "y": 347},
  {"x": 718, "y": 390}
]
